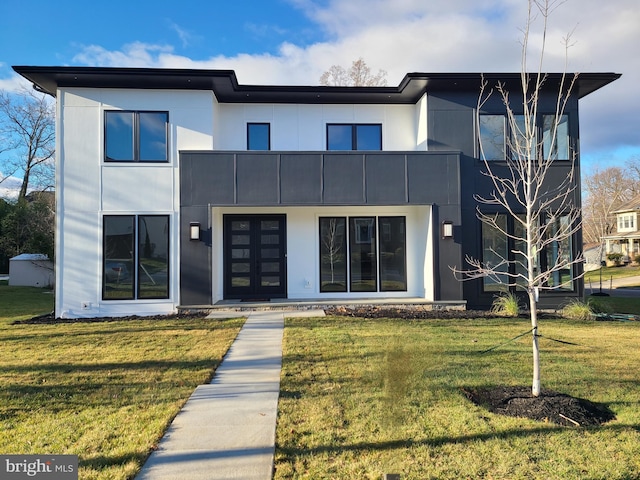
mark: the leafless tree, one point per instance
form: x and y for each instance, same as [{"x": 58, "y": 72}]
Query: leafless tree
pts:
[
  {"x": 358, "y": 75},
  {"x": 605, "y": 191},
  {"x": 332, "y": 241},
  {"x": 544, "y": 210},
  {"x": 27, "y": 131}
]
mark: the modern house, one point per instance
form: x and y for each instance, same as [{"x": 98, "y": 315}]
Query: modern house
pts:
[
  {"x": 626, "y": 240},
  {"x": 181, "y": 188}
]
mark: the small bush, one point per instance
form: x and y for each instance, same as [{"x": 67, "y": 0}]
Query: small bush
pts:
[
  {"x": 577, "y": 310},
  {"x": 506, "y": 305}
]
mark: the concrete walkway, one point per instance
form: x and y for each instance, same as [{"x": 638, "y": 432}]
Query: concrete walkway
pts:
[{"x": 227, "y": 428}]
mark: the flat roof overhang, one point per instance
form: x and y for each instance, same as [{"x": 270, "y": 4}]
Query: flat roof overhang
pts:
[{"x": 225, "y": 85}]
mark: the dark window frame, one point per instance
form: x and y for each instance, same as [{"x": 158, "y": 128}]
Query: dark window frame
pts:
[
  {"x": 510, "y": 136},
  {"x": 542, "y": 257},
  {"x": 351, "y": 238},
  {"x": 262, "y": 124},
  {"x": 136, "y": 259},
  {"x": 136, "y": 147},
  {"x": 354, "y": 135}
]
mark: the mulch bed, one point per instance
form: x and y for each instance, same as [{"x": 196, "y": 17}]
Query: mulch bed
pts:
[
  {"x": 49, "y": 318},
  {"x": 550, "y": 406}
]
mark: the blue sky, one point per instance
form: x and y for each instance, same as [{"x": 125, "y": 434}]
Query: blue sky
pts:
[{"x": 291, "y": 42}]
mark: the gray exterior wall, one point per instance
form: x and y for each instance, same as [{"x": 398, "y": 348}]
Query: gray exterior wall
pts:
[
  {"x": 213, "y": 179},
  {"x": 451, "y": 117}
]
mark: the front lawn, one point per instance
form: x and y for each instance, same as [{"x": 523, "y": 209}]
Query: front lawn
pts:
[
  {"x": 361, "y": 398},
  {"x": 104, "y": 391}
]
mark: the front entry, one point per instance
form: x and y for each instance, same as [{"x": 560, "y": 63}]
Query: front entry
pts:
[{"x": 254, "y": 256}]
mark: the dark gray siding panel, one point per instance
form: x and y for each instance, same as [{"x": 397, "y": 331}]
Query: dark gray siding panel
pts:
[
  {"x": 205, "y": 180},
  {"x": 343, "y": 179},
  {"x": 195, "y": 259},
  {"x": 257, "y": 177},
  {"x": 433, "y": 179},
  {"x": 386, "y": 180},
  {"x": 300, "y": 179}
]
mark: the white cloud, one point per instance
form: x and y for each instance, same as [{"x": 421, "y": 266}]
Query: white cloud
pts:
[
  {"x": 402, "y": 36},
  {"x": 9, "y": 187}
]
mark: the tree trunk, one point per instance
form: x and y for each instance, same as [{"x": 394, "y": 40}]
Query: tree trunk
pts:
[{"x": 535, "y": 387}]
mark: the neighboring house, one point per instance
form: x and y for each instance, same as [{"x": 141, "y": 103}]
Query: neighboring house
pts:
[
  {"x": 627, "y": 238},
  {"x": 182, "y": 188}
]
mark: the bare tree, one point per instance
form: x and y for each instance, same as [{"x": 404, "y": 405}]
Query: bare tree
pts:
[
  {"x": 358, "y": 75},
  {"x": 27, "y": 130},
  {"x": 605, "y": 191},
  {"x": 545, "y": 211}
]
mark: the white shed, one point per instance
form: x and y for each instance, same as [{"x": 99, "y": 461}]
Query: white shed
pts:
[{"x": 31, "y": 270}]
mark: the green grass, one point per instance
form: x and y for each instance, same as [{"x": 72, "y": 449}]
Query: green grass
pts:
[
  {"x": 104, "y": 391},
  {"x": 615, "y": 304},
  {"x": 609, "y": 272},
  {"x": 18, "y": 303},
  {"x": 360, "y": 398}
]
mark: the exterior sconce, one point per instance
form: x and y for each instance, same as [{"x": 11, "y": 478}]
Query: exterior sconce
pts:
[
  {"x": 447, "y": 229},
  {"x": 194, "y": 231}
]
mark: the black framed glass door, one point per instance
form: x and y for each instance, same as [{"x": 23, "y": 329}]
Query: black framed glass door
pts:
[{"x": 255, "y": 256}]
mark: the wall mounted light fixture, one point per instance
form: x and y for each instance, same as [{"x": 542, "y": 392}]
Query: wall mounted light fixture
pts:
[
  {"x": 194, "y": 231},
  {"x": 447, "y": 229}
]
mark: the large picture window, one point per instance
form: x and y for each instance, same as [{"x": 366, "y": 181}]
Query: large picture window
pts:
[
  {"x": 499, "y": 138},
  {"x": 136, "y": 136},
  {"x": 362, "y": 254},
  {"x": 354, "y": 137},
  {"x": 135, "y": 257},
  {"x": 503, "y": 250}
]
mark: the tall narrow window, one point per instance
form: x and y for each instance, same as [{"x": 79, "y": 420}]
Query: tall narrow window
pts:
[
  {"x": 333, "y": 254},
  {"x": 492, "y": 137},
  {"x": 523, "y": 141},
  {"x": 258, "y": 136},
  {"x": 560, "y": 253},
  {"x": 354, "y": 137},
  {"x": 136, "y": 136},
  {"x": 555, "y": 137},
  {"x": 362, "y": 252},
  {"x": 393, "y": 257},
  {"x": 136, "y": 257},
  {"x": 495, "y": 254}
]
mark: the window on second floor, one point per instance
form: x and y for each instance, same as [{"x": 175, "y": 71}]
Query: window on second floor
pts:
[
  {"x": 555, "y": 137},
  {"x": 258, "y": 136},
  {"x": 627, "y": 222},
  {"x": 136, "y": 136},
  {"x": 498, "y": 138},
  {"x": 354, "y": 137}
]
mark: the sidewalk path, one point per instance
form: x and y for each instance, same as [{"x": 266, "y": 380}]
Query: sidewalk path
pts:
[{"x": 226, "y": 430}]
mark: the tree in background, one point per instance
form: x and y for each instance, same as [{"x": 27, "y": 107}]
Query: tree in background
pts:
[
  {"x": 27, "y": 226},
  {"x": 358, "y": 75},
  {"x": 544, "y": 211},
  {"x": 604, "y": 192},
  {"x": 27, "y": 139}
]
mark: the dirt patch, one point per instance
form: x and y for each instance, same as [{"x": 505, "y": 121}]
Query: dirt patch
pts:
[{"x": 550, "y": 406}]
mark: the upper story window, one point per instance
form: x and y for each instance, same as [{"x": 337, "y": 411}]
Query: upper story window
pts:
[
  {"x": 499, "y": 138},
  {"x": 354, "y": 137},
  {"x": 627, "y": 222},
  {"x": 136, "y": 136},
  {"x": 258, "y": 136},
  {"x": 555, "y": 137},
  {"x": 492, "y": 137}
]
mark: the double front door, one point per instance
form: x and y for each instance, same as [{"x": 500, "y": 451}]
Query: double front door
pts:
[{"x": 255, "y": 256}]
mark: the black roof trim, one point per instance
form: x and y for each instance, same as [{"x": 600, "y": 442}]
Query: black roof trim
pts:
[{"x": 227, "y": 89}]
